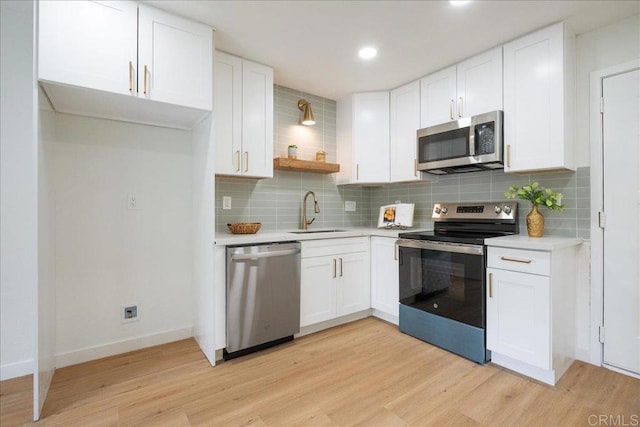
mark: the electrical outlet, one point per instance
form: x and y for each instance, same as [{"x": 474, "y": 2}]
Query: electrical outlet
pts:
[
  {"x": 349, "y": 206},
  {"x": 130, "y": 313},
  {"x": 226, "y": 203},
  {"x": 132, "y": 202}
]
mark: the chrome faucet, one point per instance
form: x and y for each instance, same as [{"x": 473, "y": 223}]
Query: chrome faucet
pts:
[{"x": 316, "y": 209}]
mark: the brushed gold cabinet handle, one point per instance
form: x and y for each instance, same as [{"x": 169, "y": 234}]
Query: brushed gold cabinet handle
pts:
[
  {"x": 146, "y": 70},
  {"x": 130, "y": 76},
  {"x": 508, "y": 155},
  {"x": 357, "y": 172},
  {"x": 490, "y": 285},
  {"x": 340, "y": 267},
  {"x": 415, "y": 167},
  {"x": 460, "y": 107},
  {"x": 246, "y": 161},
  {"x": 396, "y": 248},
  {"x": 335, "y": 274},
  {"x": 522, "y": 261},
  {"x": 451, "y": 109},
  {"x": 237, "y": 160}
]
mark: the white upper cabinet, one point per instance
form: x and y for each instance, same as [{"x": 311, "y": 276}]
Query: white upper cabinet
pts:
[
  {"x": 243, "y": 106},
  {"x": 471, "y": 87},
  {"x": 89, "y": 44},
  {"x": 404, "y": 124},
  {"x": 174, "y": 59},
  {"x": 437, "y": 97},
  {"x": 539, "y": 101},
  {"x": 363, "y": 138},
  {"x": 92, "y": 53}
]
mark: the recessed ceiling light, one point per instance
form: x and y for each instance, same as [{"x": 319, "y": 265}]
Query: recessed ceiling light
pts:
[
  {"x": 458, "y": 3},
  {"x": 367, "y": 52}
]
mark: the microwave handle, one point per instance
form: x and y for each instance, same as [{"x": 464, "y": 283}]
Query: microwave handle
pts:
[{"x": 472, "y": 140}]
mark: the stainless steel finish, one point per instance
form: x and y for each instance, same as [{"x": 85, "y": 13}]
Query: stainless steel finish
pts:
[
  {"x": 450, "y": 211},
  {"x": 460, "y": 248},
  {"x": 263, "y": 294},
  {"x": 472, "y": 161},
  {"x": 522, "y": 261},
  {"x": 316, "y": 209}
]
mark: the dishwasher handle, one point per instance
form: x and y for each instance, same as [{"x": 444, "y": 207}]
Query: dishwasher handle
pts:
[{"x": 269, "y": 254}]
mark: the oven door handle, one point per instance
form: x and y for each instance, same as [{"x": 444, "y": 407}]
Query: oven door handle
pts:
[{"x": 460, "y": 248}]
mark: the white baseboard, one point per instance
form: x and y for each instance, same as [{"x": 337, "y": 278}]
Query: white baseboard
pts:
[
  {"x": 385, "y": 316},
  {"x": 15, "y": 370},
  {"x": 111, "y": 349}
]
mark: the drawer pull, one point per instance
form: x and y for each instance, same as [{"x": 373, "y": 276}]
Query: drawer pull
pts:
[
  {"x": 523, "y": 261},
  {"x": 490, "y": 285},
  {"x": 335, "y": 273}
]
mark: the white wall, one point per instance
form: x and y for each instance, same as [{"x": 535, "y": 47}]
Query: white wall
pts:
[
  {"x": 19, "y": 192},
  {"x": 598, "y": 49},
  {"x": 108, "y": 255}
]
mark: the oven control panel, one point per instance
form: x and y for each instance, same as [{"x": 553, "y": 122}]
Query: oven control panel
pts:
[{"x": 484, "y": 210}]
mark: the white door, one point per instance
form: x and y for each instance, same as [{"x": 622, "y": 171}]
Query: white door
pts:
[
  {"x": 354, "y": 288},
  {"x": 174, "y": 59},
  {"x": 318, "y": 277},
  {"x": 384, "y": 275},
  {"x": 404, "y": 123},
  {"x": 371, "y": 136},
  {"x": 621, "y": 162},
  {"x": 257, "y": 120},
  {"x": 437, "y": 97},
  {"x": 480, "y": 84},
  {"x": 227, "y": 105}
]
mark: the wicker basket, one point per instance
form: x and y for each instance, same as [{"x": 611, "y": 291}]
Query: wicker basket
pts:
[{"x": 244, "y": 227}]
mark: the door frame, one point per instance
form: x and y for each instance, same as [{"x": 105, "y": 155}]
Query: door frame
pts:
[{"x": 596, "y": 348}]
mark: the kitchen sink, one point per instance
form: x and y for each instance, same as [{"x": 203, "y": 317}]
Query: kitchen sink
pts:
[{"x": 331, "y": 230}]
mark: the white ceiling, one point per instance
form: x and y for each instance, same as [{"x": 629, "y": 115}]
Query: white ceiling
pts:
[{"x": 312, "y": 45}]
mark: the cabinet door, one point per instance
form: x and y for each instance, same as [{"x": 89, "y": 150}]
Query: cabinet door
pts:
[
  {"x": 404, "y": 123},
  {"x": 174, "y": 59},
  {"x": 354, "y": 289},
  {"x": 480, "y": 84},
  {"x": 317, "y": 289},
  {"x": 384, "y": 275},
  {"x": 437, "y": 97},
  {"x": 371, "y": 136},
  {"x": 534, "y": 101},
  {"x": 90, "y": 44},
  {"x": 257, "y": 120},
  {"x": 518, "y": 316},
  {"x": 227, "y": 97}
]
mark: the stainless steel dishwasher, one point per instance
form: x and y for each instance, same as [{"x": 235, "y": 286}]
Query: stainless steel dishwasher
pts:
[{"x": 263, "y": 296}]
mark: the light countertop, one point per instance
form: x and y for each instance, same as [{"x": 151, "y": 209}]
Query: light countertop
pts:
[
  {"x": 225, "y": 238},
  {"x": 522, "y": 241}
]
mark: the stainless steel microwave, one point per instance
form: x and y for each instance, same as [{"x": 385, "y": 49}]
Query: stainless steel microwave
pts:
[{"x": 465, "y": 145}]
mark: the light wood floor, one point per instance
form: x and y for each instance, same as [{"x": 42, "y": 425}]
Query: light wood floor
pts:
[{"x": 364, "y": 373}]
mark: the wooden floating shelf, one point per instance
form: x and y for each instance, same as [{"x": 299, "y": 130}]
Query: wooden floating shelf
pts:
[{"x": 305, "y": 165}]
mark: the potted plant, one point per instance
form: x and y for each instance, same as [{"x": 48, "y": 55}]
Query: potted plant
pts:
[
  {"x": 292, "y": 151},
  {"x": 538, "y": 196}
]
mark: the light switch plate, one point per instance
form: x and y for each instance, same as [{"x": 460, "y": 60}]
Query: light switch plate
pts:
[
  {"x": 226, "y": 203},
  {"x": 350, "y": 206}
]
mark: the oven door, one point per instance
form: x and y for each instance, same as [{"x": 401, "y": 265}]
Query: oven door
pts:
[
  {"x": 445, "y": 145},
  {"x": 445, "y": 279}
]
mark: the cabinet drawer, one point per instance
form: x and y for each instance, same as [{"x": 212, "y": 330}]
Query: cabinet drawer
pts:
[
  {"x": 534, "y": 262},
  {"x": 324, "y": 247}
]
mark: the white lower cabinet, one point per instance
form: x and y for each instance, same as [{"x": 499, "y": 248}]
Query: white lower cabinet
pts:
[
  {"x": 518, "y": 316},
  {"x": 531, "y": 308},
  {"x": 384, "y": 278},
  {"x": 334, "y": 279}
]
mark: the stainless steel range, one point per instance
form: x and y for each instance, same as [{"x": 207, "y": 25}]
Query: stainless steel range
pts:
[{"x": 442, "y": 275}]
